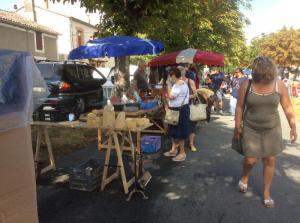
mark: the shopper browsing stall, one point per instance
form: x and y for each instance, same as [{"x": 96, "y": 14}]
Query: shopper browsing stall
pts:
[
  {"x": 140, "y": 77},
  {"x": 178, "y": 101},
  {"x": 187, "y": 77}
]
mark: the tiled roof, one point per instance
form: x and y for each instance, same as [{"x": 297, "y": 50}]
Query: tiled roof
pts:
[{"x": 17, "y": 20}]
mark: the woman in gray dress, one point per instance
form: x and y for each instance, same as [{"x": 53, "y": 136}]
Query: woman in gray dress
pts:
[{"x": 262, "y": 138}]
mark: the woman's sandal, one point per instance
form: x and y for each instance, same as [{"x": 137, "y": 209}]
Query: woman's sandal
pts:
[
  {"x": 179, "y": 158},
  {"x": 193, "y": 148},
  {"x": 243, "y": 187},
  {"x": 170, "y": 154},
  {"x": 269, "y": 203}
]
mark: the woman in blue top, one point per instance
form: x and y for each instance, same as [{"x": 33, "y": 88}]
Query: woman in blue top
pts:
[{"x": 235, "y": 84}]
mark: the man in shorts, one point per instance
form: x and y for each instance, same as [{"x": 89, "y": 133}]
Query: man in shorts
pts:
[{"x": 217, "y": 78}]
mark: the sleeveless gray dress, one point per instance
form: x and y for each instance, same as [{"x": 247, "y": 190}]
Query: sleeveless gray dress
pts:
[{"x": 262, "y": 136}]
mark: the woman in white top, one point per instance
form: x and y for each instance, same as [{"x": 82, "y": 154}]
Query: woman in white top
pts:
[{"x": 178, "y": 100}]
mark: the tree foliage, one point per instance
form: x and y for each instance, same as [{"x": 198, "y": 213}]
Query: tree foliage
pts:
[
  {"x": 122, "y": 17},
  {"x": 283, "y": 47},
  {"x": 213, "y": 25}
]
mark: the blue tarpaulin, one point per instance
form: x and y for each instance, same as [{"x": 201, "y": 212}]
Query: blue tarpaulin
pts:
[
  {"x": 115, "y": 46},
  {"x": 22, "y": 89}
]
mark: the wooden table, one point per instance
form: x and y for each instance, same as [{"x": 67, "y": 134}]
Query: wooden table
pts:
[
  {"x": 148, "y": 113},
  {"x": 111, "y": 142}
]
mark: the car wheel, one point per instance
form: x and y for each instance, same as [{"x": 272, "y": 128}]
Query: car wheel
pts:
[{"x": 80, "y": 105}]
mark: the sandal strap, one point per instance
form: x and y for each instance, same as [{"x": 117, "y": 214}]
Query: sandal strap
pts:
[
  {"x": 269, "y": 202},
  {"x": 243, "y": 187},
  {"x": 179, "y": 157},
  {"x": 241, "y": 184}
]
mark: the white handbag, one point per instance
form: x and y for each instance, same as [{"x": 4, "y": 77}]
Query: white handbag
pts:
[{"x": 198, "y": 111}]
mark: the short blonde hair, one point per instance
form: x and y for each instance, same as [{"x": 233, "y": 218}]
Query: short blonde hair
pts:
[{"x": 263, "y": 70}]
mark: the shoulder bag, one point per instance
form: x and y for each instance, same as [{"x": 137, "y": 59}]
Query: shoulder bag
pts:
[
  {"x": 172, "y": 116},
  {"x": 197, "y": 110},
  {"x": 236, "y": 144}
]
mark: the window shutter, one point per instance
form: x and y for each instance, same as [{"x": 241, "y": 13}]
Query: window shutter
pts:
[{"x": 39, "y": 41}]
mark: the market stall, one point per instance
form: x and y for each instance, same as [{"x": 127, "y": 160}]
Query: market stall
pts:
[
  {"x": 188, "y": 56},
  {"x": 109, "y": 138},
  {"x": 117, "y": 46}
]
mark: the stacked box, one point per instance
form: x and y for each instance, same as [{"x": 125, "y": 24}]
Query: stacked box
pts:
[{"x": 86, "y": 176}]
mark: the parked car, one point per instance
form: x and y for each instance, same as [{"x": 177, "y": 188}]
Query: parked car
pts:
[{"x": 72, "y": 87}]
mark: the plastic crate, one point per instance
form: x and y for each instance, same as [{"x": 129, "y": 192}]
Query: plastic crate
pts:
[
  {"x": 86, "y": 176},
  {"x": 51, "y": 116},
  {"x": 150, "y": 143}
]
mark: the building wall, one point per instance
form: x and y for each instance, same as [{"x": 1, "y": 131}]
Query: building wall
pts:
[
  {"x": 57, "y": 22},
  {"x": 68, "y": 9},
  {"x": 19, "y": 39},
  {"x": 88, "y": 32},
  {"x": 68, "y": 29},
  {"x": 50, "y": 44}
]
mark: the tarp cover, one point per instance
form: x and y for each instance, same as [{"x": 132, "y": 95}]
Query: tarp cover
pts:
[
  {"x": 22, "y": 89},
  {"x": 116, "y": 46},
  {"x": 189, "y": 56}
]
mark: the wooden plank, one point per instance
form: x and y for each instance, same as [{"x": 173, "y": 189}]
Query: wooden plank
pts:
[
  {"x": 106, "y": 163},
  {"x": 78, "y": 124},
  {"x": 49, "y": 148},
  {"x": 38, "y": 143},
  {"x": 154, "y": 131},
  {"x": 120, "y": 163},
  {"x": 109, "y": 179}
]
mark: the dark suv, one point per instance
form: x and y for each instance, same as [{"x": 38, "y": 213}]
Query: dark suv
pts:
[{"x": 72, "y": 86}]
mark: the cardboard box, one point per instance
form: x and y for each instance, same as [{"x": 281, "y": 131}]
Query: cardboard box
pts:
[{"x": 18, "y": 202}]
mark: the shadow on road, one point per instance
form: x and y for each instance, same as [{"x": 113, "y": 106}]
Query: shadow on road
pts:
[{"x": 201, "y": 189}]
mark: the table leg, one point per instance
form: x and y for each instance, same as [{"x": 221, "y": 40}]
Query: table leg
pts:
[
  {"x": 131, "y": 144},
  {"x": 136, "y": 188},
  {"x": 162, "y": 129},
  {"x": 38, "y": 144},
  {"x": 138, "y": 142},
  {"x": 121, "y": 149},
  {"x": 106, "y": 163},
  {"x": 99, "y": 139},
  {"x": 50, "y": 152},
  {"x": 120, "y": 163}
]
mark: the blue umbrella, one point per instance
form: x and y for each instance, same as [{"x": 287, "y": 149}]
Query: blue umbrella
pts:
[{"x": 115, "y": 46}]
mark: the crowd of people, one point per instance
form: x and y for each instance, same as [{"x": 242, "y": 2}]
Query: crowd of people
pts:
[
  {"x": 254, "y": 108},
  {"x": 293, "y": 87}
]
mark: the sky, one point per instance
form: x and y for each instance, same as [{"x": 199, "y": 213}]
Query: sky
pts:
[{"x": 266, "y": 16}]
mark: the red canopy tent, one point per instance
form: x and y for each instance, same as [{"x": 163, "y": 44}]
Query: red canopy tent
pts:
[{"x": 188, "y": 56}]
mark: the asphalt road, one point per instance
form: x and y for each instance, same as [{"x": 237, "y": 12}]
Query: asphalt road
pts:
[{"x": 201, "y": 189}]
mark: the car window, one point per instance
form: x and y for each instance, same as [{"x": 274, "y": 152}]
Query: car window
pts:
[
  {"x": 84, "y": 73},
  {"x": 96, "y": 73},
  {"x": 49, "y": 71},
  {"x": 70, "y": 71}
]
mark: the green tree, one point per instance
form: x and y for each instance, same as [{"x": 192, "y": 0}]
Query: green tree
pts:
[
  {"x": 212, "y": 25},
  {"x": 282, "y": 46},
  {"x": 203, "y": 25},
  {"x": 121, "y": 17}
]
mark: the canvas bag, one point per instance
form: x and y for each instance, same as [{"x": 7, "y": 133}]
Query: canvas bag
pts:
[
  {"x": 198, "y": 111},
  {"x": 236, "y": 144},
  {"x": 172, "y": 116}
]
